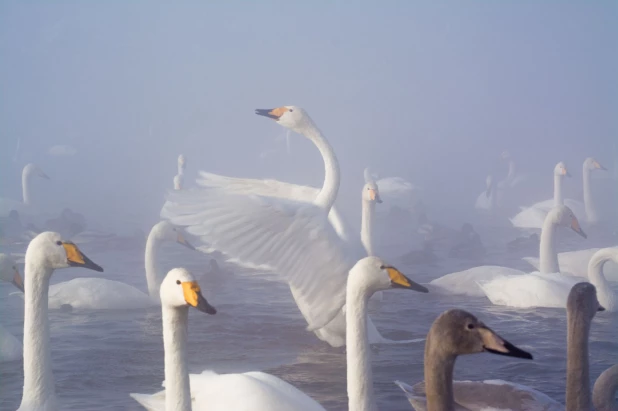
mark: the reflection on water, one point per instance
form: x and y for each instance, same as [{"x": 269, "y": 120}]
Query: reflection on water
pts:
[{"x": 101, "y": 357}]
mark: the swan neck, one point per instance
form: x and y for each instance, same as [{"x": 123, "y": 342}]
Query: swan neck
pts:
[
  {"x": 578, "y": 378},
  {"x": 327, "y": 195},
  {"x": 605, "y": 388},
  {"x": 25, "y": 187},
  {"x": 153, "y": 278},
  {"x": 548, "y": 257},
  {"x": 511, "y": 175},
  {"x": 438, "y": 377},
  {"x": 358, "y": 351},
  {"x": 368, "y": 210},
  {"x": 591, "y": 212},
  {"x": 177, "y": 387},
  {"x": 39, "y": 389},
  {"x": 558, "y": 198}
]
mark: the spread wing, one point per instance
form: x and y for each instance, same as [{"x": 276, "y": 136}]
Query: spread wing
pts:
[{"x": 292, "y": 237}]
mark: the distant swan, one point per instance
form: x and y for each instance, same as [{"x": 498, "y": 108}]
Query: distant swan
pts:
[
  {"x": 258, "y": 391},
  {"x": 24, "y": 206},
  {"x": 592, "y": 213},
  {"x": 468, "y": 282},
  {"x": 576, "y": 263},
  {"x": 103, "y": 294},
  {"x": 293, "y": 238},
  {"x": 454, "y": 333},
  {"x": 179, "y": 178},
  {"x": 46, "y": 253}
]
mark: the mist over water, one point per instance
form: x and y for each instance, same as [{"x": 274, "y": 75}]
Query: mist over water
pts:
[{"x": 103, "y": 97}]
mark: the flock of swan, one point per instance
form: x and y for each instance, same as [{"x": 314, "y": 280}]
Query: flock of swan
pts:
[{"x": 333, "y": 274}]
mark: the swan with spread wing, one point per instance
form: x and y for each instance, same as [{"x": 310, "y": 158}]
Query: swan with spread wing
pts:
[{"x": 292, "y": 237}]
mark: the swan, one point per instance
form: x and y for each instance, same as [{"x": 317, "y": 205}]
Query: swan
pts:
[
  {"x": 180, "y": 177},
  {"x": 488, "y": 199},
  {"x": 534, "y": 216},
  {"x": 576, "y": 263},
  {"x": 10, "y": 347},
  {"x": 582, "y": 305},
  {"x": 590, "y": 164},
  {"x": 453, "y": 333},
  {"x": 293, "y": 238},
  {"x": 257, "y": 391},
  {"x": 45, "y": 253},
  {"x": 24, "y": 206},
  {"x": 513, "y": 177},
  {"x": 467, "y": 282},
  {"x": 103, "y": 294},
  {"x": 396, "y": 191}
]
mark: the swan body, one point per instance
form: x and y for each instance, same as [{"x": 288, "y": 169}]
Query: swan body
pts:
[
  {"x": 454, "y": 333},
  {"x": 576, "y": 263},
  {"x": 294, "y": 238},
  {"x": 258, "y": 391},
  {"x": 466, "y": 282},
  {"x": 104, "y": 294},
  {"x": 25, "y": 206},
  {"x": 46, "y": 253}
]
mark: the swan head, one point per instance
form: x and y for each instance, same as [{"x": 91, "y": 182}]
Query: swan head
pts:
[
  {"x": 53, "y": 252},
  {"x": 592, "y": 164},
  {"x": 166, "y": 231},
  {"x": 457, "y": 332},
  {"x": 505, "y": 155},
  {"x": 9, "y": 272},
  {"x": 371, "y": 193},
  {"x": 561, "y": 170},
  {"x": 180, "y": 289},
  {"x": 563, "y": 216},
  {"x": 373, "y": 274},
  {"x": 292, "y": 117},
  {"x": 33, "y": 170},
  {"x": 583, "y": 300}
]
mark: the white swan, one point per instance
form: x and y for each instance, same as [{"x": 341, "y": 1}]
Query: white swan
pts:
[
  {"x": 467, "y": 282},
  {"x": 258, "y": 391},
  {"x": 534, "y": 216},
  {"x": 291, "y": 237},
  {"x": 488, "y": 199},
  {"x": 592, "y": 214},
  {"x": 576, "y": 263},
  {"x": 179, "y": 178},
  {"x": 454, "y": 333},
  {"x": 46, "y": 253},
  {"x": 10, "y": 347},
  {"x": 103, "y": 294},
  {"x": 396, "y": 191},
  {"x": 24, "y": 206},
  {"x": 582, "y": 305}
]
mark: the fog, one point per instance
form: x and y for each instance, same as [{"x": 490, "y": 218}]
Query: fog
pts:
[{"x": 432, "y": 92}]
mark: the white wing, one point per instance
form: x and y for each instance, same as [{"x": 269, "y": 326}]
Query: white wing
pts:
[
  {"x": 292, "y": 237},
  {"x": 276, "y": 189}
]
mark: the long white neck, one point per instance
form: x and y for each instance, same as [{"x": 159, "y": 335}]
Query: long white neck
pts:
[
  {"x": 548, "y": 257},
  {"x": 358, "y": 351},
  {"x": 605, "y": 295},
  {"x": 25, "y": 186},
  {"x": 512, "y": 170},
  {"x": 177, "y": 388},
  {"x": 578, "y": 374},
  {"x": 153, "y": 278},
  {"x": 328, "y": 193},
  {"x": 39, "y": 390},
  {"x": 591, "y": 210},
  {"x": 558, "y": 198},
  {"x": 368, "y": 210},
  {"x": 604, "y": 390},
  {"x": 439, "y": 367}
]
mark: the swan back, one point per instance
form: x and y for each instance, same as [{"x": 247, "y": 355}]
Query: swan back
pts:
[{"x": 9, "y": 271}]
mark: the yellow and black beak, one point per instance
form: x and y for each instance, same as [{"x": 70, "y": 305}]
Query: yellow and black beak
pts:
[
  {"x": 374, "y": 196},
  {"x": 398, "y": 280},
  {"x": 494, "y": 344},
  {"x": 565, "y": 172},
  {"x": 193, "y": 297},
  {"x": 274, "y": 113},
  {"x": 182, "y": 240},
  {"x": 77, "y": 259},
  {"x": 18, "y": 281},
  {"x": 575, "y": 227},
  {"x": 598, "y": 165}
]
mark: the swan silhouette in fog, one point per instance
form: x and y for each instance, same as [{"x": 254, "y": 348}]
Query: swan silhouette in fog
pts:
[
  {"x": 258, "y": 391},
  {"x": 179, "y": 179},
  {"x": 10, "y": 347},
  {"x": 46, "y": 253},
  {"x": 25, "y": 206},
  {"x": 293, "y": 238}
]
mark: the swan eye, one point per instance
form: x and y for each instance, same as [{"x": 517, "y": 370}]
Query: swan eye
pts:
[
  {"x": 178, "y": 282},
  {"x": 382, "y": 267},
  {"x": 470, "y": 326},
  {"x": 291, "y": 110},
  {"x": 58, "y": 242}
]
